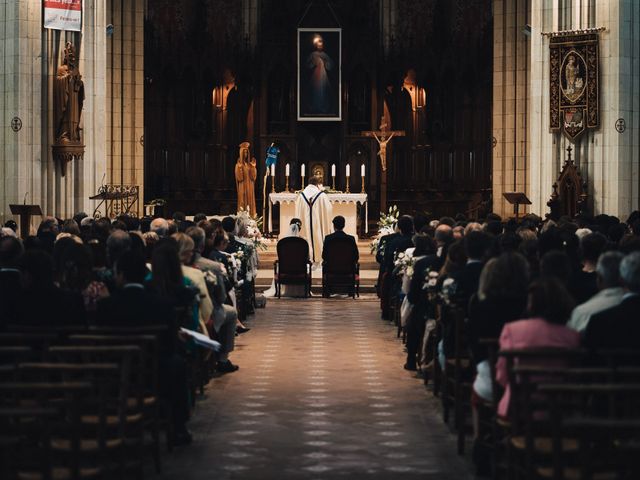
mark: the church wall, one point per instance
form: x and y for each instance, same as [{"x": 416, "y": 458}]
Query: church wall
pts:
[
  {"x": 608, "y": 160},
  {"x": 125, "y": 94},
  {"x": 30, "y": 56}
]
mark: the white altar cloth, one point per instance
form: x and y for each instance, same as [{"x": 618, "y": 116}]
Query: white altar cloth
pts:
[{"x": 345, "y": 204}]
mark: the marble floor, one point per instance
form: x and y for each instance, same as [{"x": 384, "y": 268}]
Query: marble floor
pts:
[{"x": 320, "y": 393}]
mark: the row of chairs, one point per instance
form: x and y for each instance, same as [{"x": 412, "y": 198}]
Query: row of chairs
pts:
[
  {"x": 573, "y": 414},
  {"x": 340, "y": 272},
  {"x": 84, "y": 403}
]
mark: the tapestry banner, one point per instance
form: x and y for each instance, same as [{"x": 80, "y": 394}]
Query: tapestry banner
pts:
[
  {"x": 63, "y": 14},
  {"x": 574, "y": 89}
]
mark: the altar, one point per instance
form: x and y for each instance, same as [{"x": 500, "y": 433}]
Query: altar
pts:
[{"x": 345, "y": 204}]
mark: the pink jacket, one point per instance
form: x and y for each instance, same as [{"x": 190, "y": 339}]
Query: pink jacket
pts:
[{"x": 530, "y": 333}]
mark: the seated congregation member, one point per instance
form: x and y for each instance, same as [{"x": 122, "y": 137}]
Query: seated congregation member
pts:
[
  {"x": 476, "y": 246},
  {"x": 219, "y": 249},
  {"x": 549, "y": 305},
  {"x": 501, "y": 298},
  {"x": 160, "y": 227},
  {"x": 338, "y": 226},
  {"x": 399, "y": 243},
  {"x": 610, "y": 294},
  {"x": 424, "y": 256},
  {"x": 215, "y": 276},
  {"x": 131, "y": 304},
  {"x": 618, "y": 326},
  {"x": 40, "y": 301},
  {"x": 584, "y": 279},
  {"x": 11, "y": 249},
  {"x": 225, "y": 325},
  {"x": 75, "y": 273},
  {"x": 195, "y": 276},
  {"x": 390, "y": 286}
]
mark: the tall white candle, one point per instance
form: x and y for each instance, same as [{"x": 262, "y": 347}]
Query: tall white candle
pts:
[
  {"x": 333, "y": 170},
  {"x": 273, "y": 170},
  {"x": 348, "y": 170},
  {"x": 286, "y": 169},
  {"x": 362, "y": 170},
  {"x": 302, "y": 170}
]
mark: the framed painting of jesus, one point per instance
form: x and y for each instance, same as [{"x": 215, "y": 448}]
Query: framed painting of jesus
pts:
[{"x": 319, "y": 74}]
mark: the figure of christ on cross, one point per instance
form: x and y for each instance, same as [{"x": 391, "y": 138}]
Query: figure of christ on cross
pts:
[{"x": 383, "y": 136}]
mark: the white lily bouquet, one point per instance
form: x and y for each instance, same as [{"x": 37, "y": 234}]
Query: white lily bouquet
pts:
[{"x": 386, "y": 226}]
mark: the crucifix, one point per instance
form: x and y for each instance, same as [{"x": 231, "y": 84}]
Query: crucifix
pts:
[{"x": 383, "y": 136}]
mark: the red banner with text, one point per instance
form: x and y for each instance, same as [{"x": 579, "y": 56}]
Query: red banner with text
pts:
[{"x": 63, "y": 14}]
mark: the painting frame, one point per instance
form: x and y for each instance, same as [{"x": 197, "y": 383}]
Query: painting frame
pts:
[{"x": 319, "y": 93}]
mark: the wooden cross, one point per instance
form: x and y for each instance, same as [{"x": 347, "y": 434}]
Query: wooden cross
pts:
[{"x": 383, "y": 136}]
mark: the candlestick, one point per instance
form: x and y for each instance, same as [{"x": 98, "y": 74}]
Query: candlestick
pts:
[
  {"x": 286, "y": 177},
  {"x": 273, "y": 178}
]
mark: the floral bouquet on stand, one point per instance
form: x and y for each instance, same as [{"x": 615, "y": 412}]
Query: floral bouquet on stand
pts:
[
  {"x": 386, "y": 226},
  {"x": 252, "y": 228}
]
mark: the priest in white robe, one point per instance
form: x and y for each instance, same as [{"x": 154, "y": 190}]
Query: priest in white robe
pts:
[{"x": 314, "y": 209}]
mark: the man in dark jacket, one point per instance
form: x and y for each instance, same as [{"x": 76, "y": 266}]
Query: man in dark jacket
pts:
[{"x": 338, "y": 225}]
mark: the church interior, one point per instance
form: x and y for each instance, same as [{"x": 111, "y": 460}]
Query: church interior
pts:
[{"x": 318, "y": 238}]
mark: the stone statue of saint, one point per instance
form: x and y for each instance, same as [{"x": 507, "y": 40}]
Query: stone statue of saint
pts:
[
  {"x": 68, "y": 97},
  {"x": 246, "y": 174}
]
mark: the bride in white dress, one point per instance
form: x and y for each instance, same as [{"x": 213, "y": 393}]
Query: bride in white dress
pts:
[{"x": 288, "y": 290}]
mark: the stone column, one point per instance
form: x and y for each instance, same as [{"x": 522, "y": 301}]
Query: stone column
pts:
[
  {"x": 31, "y": 56},
  {"x": 510, "y": 92},
  {"x": 125, "y": 94}
]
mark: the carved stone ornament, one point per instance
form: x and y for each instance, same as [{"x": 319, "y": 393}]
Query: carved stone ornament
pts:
[
  {"x": 574, "y": 88},
  {"x": 68, "y": 98},
  {"x": 569, "y": 195}
]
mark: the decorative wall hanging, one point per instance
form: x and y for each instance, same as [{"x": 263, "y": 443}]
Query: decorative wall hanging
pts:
[
  {"x": 574, "y": 89},
  {"x": 319, "y": 74}
]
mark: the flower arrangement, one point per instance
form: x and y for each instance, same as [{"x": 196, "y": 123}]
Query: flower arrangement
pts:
[
  {"x": 252, "y": 226},
  {"x": 404, "y": 264},
  {"x": 386, "y": 226}
]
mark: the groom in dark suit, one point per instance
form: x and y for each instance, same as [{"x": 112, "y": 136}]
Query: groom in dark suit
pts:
[{"x": 338, "y": 226}]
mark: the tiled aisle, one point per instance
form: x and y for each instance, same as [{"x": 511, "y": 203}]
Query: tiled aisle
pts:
[{"x": 320, "y": 393}]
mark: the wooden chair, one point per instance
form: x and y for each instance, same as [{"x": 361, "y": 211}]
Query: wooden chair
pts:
[
  {"x": 607, "y": 438},
  {"x": 292, "y": 266},
  {"x": 460, "y": 382},
  {"x": 340, "y": 270},
  {"x": 102, "y": 441},
  {"x": 151, "y": 402},
  {"x": 36, "y": 412},
  {"x": 124, "y": 418},
  {"x": 528, "y": 438}
]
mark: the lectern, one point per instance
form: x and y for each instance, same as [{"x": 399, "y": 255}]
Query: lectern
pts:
[
  {"x": 517, "y": 199},
  {"x": 25, "y": 212}
]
